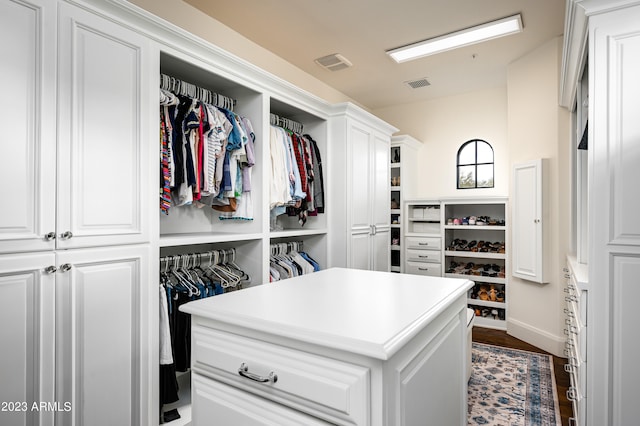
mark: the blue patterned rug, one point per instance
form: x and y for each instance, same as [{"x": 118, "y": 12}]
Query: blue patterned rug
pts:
[{"x": 510, "y": 387}]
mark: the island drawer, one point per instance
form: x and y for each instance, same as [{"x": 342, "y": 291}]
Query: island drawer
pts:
[{"x": 327, "y": 388}]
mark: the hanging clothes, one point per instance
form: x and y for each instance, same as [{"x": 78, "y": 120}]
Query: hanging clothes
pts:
[
  {"x": 183, "y": 279},
  {"x": 297, "y": 186},
  {"x": 288, "y": 260},
  {"x": 205, "y": 160}
]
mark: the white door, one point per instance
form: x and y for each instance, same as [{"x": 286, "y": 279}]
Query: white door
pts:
[
  {"x": 27, "y": 120},
  {"x": 27, "y": 315},
  {"x": 104, "y": 135},
  {"x": 528, "y": 221},
  {"x": 380, "y": 203},
  {"x": 361, "y": 187},
  {"x": 101, "y": 330}
]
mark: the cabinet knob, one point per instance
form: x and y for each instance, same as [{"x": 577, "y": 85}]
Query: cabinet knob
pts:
[
  {"x": 50, "y": 236},
  {"x": 66, "y": 267},
  {"x": 536, "y": 220},
  {"x": 50, "y": 269},
  {"x": 244, "y": 372},
  {"x": 66, "y": 235}
]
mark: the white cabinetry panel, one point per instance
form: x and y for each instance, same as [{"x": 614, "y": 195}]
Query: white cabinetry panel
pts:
[
  {"x": 380, "y": 162},
  {"x": 103, "y": 148},
  {"x": 624, "y": 138},
  {"x": 359, "y": 166},
  {"x": 100, "y": 299},
  {"x": 361, "y": 185},
  {"x": 528, "y": 219},
  {"x": 27, "y": 120},
  {"x": 626, "y": 369},
  {"x": 27, "y": 316}
]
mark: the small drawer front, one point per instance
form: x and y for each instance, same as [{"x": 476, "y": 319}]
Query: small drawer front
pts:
[
  {"x": 421, "y": 268},
  {"x": 327, "y": 388},
  {"x": 430, "y": 256},
  {"x": 232, "y": 406},
  {"x": 423, "y": 243}
]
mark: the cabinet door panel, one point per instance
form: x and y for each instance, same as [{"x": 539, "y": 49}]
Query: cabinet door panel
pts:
[
  {"x": 27, "y": 370},
  {"x": 360, "y": 188},
  {"x": 360, "y": 251},
  {"x": 28, "y": 125},
  {"x": 103, "y": 178},
  {"x": 100, "y": 328},
  {"x": 528, "y": 221},
  {"x": 381, "y": 202},
  {"x": 381, "y": 254}
]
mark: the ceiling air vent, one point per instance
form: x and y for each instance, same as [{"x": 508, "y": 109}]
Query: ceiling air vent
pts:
[
  {"x": 416, "y": 84},
  {"x": 333, "y": 62}
]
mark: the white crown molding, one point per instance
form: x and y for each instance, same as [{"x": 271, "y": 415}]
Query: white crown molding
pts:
[
  {"x": 219, "y": 60},
  {"x": 575, "y": 46}
]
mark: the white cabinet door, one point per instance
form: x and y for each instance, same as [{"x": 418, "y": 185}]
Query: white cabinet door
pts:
[
  {"x": 101, "y": 329},
  {"x": 27, "y": 119},
  {"x": 380, "y": 203},
  {"x": 360, "y": 184},
  {"x": 369, "y": 196},
  {"x": 528, "y": 222},
  {"x": 27, "y": 370},
  {"x": 381, "y": 256},
  {"x": 380, "y": 200},
  {"x": 104, "y": 143}
]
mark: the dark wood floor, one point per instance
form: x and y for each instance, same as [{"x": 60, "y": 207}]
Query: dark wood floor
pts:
[{"x": 501, "y": 338}]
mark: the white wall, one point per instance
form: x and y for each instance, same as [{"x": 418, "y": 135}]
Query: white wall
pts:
[
  {"x": 443, "y": 125},
  {"x": 539, "y": 128}
]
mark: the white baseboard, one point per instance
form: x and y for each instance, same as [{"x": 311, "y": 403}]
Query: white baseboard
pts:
[{"x": 536, "y": 337}]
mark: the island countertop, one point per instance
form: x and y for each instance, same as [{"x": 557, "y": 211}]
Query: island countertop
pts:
[{"x": 363, "y": 312}]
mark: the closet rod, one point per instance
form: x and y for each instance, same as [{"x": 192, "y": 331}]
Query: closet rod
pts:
[
  {"x": 286, "y": 123},
  {"x": 213, "y": 257},
  {"x": 181, "y": 87},
  {"x": 285, "y": 248}
]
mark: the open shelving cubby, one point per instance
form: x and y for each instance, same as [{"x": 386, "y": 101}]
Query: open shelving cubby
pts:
[{"x": 475, "y": 236}]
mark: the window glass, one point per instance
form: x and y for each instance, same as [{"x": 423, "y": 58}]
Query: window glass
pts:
[
  {"x": 475, "y": 165},
  {"x": 467, "y": 154},
  {"x": 467, "y": 177},
  {"x": 485, "y": 176},
  {"x": 485, "y": 153}
]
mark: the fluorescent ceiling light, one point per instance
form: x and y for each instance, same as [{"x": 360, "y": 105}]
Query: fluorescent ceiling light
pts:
[{"x": 466, "y": 37}]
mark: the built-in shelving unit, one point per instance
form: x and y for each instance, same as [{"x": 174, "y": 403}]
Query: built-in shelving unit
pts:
[
  {"x": 475, "y": 235},
  {"x": 403, "y": 162},
  {"x": 422, "y": 238}
]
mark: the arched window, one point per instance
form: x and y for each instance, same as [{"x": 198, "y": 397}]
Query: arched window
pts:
[{"x": 475, "y": 165}]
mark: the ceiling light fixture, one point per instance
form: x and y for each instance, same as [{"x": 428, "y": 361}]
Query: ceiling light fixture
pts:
[{"x": 466, "y": 37}]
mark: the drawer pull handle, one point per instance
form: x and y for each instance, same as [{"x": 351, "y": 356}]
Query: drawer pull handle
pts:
[
  {"x": 423, "y": 244},
  {"x": 244, "y": 372}
]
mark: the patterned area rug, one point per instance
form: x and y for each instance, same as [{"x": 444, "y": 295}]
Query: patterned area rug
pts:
[{"x": 510, "y": 387}]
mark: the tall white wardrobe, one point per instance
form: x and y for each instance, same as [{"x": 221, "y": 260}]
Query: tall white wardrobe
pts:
[
  {"x": 80, "y": 234},
  {"x": 604, "y": 38}
]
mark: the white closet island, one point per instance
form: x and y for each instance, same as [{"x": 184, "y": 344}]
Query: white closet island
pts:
[{"x": 340, "y": 346}]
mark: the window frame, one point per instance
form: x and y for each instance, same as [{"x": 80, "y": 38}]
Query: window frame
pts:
[{"x": 475, "y": 164}]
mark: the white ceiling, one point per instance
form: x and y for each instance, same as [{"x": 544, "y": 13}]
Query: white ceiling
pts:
[{"x": 362, "y": 30}]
